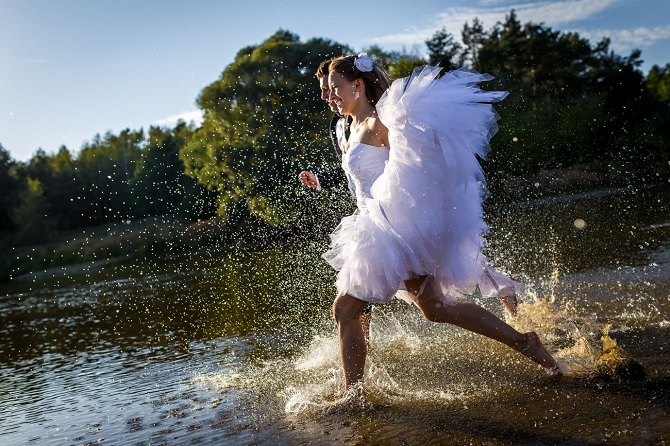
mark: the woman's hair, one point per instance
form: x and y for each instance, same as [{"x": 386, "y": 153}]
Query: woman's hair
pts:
[{"x": 376, "y": 81}]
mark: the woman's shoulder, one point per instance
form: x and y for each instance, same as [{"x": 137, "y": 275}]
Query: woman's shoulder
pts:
[{"x": 378, "y": 131}]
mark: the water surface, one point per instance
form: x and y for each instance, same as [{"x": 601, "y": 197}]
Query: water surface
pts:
[{"x": 240, "y": 348}]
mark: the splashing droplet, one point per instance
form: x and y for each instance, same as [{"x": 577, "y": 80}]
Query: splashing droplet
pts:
[{"x": 579, "y": 223}]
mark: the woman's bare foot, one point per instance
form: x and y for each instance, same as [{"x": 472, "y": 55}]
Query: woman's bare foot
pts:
[
  {"x": 353, "y": 400},
  {"x": 534, "y": 349},
  {"x": 510, "y": 304}
]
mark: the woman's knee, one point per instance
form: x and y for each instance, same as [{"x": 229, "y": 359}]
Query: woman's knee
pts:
[
  {"x": 434, "y": 310},
  {"x": 346, "y": 308}
]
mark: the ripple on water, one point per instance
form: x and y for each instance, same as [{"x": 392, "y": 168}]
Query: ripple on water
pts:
[{"x": 242, "y": 350}]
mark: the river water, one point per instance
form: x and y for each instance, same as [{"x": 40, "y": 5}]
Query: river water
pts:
[{"x": 240, "y": 348}]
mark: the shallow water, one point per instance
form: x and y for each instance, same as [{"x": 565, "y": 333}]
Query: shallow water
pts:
[{"x": 240, "y": 349}]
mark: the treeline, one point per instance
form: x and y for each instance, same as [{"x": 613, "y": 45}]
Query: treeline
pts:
[
  {"x": 571, "y": 103},
  {"x": 114, "y": 178}
]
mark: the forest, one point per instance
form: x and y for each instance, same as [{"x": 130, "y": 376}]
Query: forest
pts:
[{"x": 579, "y": 116}]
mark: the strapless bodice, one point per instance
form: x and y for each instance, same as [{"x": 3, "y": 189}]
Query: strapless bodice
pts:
[{"x": 363, "y": 164}]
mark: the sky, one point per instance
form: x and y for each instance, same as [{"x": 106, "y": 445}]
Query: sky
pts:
[{"x": 72, "y": 69}]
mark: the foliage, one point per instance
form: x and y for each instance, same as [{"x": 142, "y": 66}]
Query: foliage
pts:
[
  {"x": 473, "y": 37},
  {"x": 116, "y": 178},
  {"x": 444, "y": 50},
  {"x": 571, "y": 102},
  {"x": 398, "y": 64},
  {"x": 106, "y": 167},
  {"x": 160, "y": 185},
  {"x": 262, "y": 120},
  {"x": 30, "y": 215},
  {"x": 658, "y": 83},
  {"x": 8, "y": 184}
]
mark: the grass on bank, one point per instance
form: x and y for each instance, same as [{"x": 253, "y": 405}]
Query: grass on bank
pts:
[
  {"x": 93, "y": 247},
  {"x": 123, "y": 241}
]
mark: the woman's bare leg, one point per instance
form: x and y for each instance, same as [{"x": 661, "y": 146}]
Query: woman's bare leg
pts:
[
  {"x": 347, "y": 311},
  {"x": 366, "y": 320},
  {"x": 478, "y": 320}
]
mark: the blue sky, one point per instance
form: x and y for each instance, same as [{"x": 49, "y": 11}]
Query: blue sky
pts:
[{"x": 71, "y": 69}]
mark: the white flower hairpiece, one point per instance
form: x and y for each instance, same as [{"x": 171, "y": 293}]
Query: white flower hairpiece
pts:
[{"x": 363, "y": 62}]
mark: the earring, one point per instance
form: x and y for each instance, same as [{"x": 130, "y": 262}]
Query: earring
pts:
[{"x": 357, "y": 95}]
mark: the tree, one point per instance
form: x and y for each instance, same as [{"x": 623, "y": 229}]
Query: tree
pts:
[
  {"x": 106, "y": 167},
  {"x": 263, "y": 121},
  {"x": 626, "y": 101},
  {"x": 30, "y": 215},
  {"x": 63, "y": 188},
  {"x": 443, "y": 50},
  {"x": 397, "y": 63},
  {"x": 9, "y": 187},
  {"x": 658, "y": 82},
  {"x": 473, "y": 37},
  {"x": 570, "y": 101},
  {"x": 159, "y": 183},
  {"x": 535, "y": 61}
]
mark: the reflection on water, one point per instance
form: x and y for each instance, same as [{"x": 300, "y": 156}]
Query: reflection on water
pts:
[{"x": 240, "y": 349}]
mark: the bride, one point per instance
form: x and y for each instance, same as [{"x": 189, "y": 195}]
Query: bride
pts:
[{"x": 412, "y": 161}]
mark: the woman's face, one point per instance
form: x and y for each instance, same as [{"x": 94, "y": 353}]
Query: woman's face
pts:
[{"x": 341, "y": 93}]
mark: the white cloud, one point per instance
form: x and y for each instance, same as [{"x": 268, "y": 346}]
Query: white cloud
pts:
[
  {"x": 626, "y": 40},
  {"x": 195, "y": 116},
  {"x": 561, "y": 12},
  {"x": 562, "y": 15},
  {"x": 551, "y": 13}
]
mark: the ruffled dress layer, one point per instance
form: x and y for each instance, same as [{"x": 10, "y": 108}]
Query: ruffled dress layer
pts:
[{"x": 420, "y": 203}]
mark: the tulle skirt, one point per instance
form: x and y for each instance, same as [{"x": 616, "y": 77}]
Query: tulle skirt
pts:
[{"x": 425, "y": 217}]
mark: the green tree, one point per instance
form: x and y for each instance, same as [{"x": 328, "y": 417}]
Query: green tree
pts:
[
  {"x": 58, "y": 177},
  {"x": 106, "y": 167},
  {"x": 535, "y": 61},
  {"x": 263, "y": 121},
  {"x": 444, "y": 50},
  {"x": 404, "y": 65},
  {"x": 63, "y": 187},
  {"x": 64, "y": 191},
  {"x": 30, "y": 215},
  {"x": 657, "y": 132},
  {"x": 397, "y": 63},
  {"x": 473, "y": 37},
  {"x": 627, "y": 104},
  {"x": 658, "y": 82},
  {"x": 159, "y": 183},
  {"x": 9, "y": 187},
  {"x": 570, "y": 101}
]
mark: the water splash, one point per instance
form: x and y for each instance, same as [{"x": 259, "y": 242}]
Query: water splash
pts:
[
  {"x": 409, "y": 361},
  {"x": 581, "y": 344}
]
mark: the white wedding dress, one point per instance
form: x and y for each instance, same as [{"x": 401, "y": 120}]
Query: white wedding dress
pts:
[{"x": 420, "y": 202}]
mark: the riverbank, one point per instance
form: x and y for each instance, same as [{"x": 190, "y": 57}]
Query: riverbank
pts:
[
  {"x": 89, "y": 249},
  {"x": 85, "y": 250}
]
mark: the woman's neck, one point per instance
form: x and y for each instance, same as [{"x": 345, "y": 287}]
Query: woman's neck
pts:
[{"x": 365, "y": 111}]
